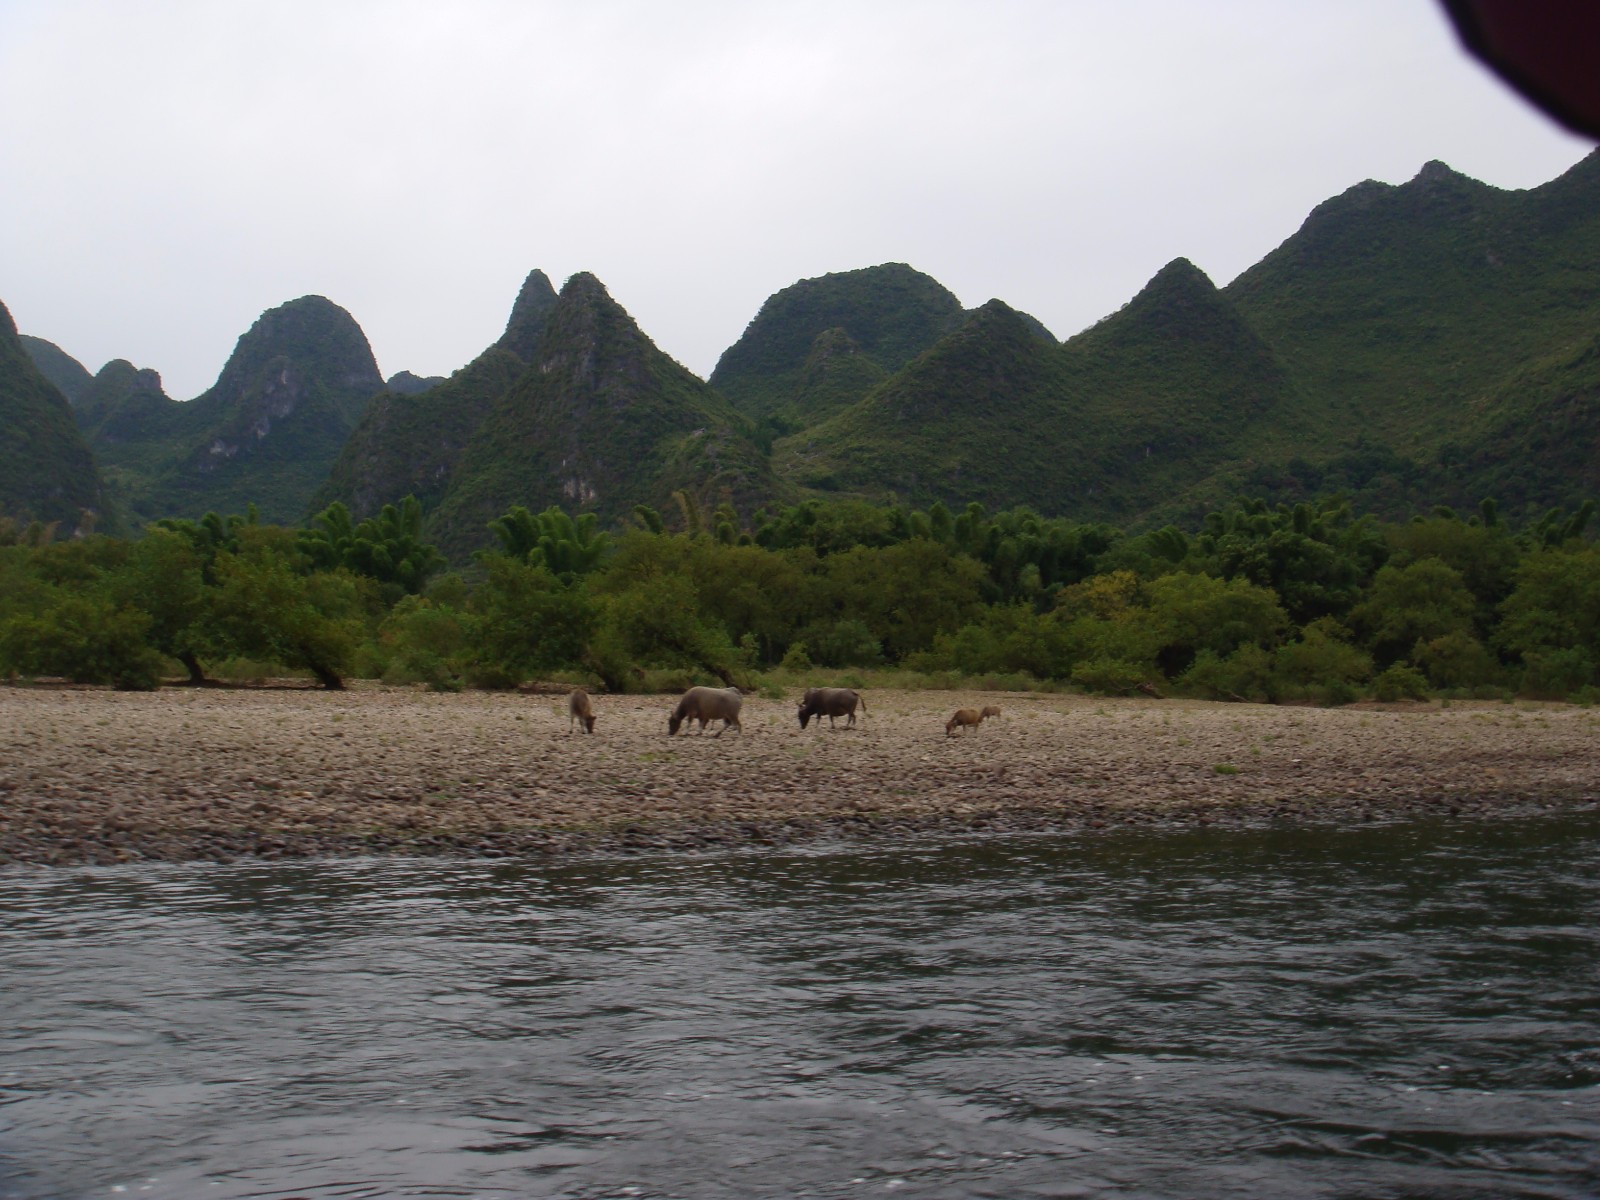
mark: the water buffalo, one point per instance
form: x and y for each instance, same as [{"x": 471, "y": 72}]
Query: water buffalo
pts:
[
  {"x": 963, "y": 717},
  {"x": 830, "y": 703},
  {"x": 705, "y": 704},
  {"x": 579, "y": 709}
]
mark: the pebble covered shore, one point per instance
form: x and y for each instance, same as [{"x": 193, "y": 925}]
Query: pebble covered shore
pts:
[{"x": 94, "y": 776}]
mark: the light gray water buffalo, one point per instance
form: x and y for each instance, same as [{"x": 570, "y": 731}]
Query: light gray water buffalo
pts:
[
  {"x": 705, "y": 704},
  {"x": 579, "y": 709},
  {"x": 963, "y": 717},
  {"x": 830, "y": 703}
]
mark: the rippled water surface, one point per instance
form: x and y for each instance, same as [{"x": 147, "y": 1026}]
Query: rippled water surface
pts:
[{"x": 1404, "y": 1011}]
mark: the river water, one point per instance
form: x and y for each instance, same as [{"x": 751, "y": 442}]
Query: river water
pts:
[{"x": 1401, "y": 1011}]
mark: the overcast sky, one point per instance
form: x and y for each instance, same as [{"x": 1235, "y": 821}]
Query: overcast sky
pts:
[{"x": 168, "y": 171}]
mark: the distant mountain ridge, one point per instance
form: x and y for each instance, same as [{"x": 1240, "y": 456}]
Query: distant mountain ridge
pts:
[
  {"x": 1150, "y": 400},
  {"x": 1432, "y": 341}
]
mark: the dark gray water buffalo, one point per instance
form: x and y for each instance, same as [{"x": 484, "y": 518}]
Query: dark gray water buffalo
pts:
[
  {"x": 579, "y": 709},
  {"x": 705, "y": 704},
  {"x": 830, "y": 703}
]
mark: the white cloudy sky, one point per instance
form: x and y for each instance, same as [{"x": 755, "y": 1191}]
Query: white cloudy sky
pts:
[{"x": 175, "y": 167}]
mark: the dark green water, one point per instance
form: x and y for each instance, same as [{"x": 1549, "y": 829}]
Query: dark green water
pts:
[{"x": 1397, "y": 1012}]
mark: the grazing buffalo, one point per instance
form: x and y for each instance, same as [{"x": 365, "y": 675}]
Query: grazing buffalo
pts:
[
  {"x": 830, "y": 703},
  {"x": 990, "y": 710},
  {"x": 963, "y": 717},
  {"x": 579, "y": 709},
  {"x": 705, "y": 704}
]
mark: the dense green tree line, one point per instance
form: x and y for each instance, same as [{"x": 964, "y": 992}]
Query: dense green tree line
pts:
[{"x": 1312, "y": 602}]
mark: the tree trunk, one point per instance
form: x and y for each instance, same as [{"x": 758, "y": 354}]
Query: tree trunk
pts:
[{"x": 327, "y": 678}]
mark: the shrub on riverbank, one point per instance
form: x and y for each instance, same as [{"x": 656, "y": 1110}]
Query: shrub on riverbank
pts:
[{"x": 1310, "y": 604}]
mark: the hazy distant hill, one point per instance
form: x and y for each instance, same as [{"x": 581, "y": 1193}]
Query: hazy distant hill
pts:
[
  {"x": 407, "y": 384},
  {"x": 412, "y": 443},
  {"x": 1148, "y": 402},
  {"x": 124, "y": 404},
  {"x": 821, "y": 344},
  {"x": 46, "y": 469},
  {"x": 69, "y": 375},
  {"x": 601, "y": 421}
]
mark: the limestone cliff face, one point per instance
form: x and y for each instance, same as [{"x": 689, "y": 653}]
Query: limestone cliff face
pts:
[
  {"x": 264, "y": 434},
  {"x": 307, "y": 357}
]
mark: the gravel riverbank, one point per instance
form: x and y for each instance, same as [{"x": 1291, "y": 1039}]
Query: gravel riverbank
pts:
[{"x": 95, "y": 776}]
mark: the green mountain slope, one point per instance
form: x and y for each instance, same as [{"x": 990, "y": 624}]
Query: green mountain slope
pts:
[
  {"x": 69, "y": 376},
  {"x": 412, "y": 443},
  {"x": 124, "y": 403},
  {"x": 603, "y": 421},
  {"x": 46, "y": 469},
  {"x": 822, "y": 343},
  {"x": 1398, "y": 308},
  {"x": 1536, "y": 442},
  {"x": 266, "y": 433},
  {"x": 1147, "y": 403}
]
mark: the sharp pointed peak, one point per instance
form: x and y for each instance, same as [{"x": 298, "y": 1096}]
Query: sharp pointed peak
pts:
[{"x": 528, "y": 316}]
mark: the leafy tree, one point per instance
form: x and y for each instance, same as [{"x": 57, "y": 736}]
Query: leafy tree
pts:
[
  {"x": 60, "y": 614},
  {"x": 653, "y": 621},
  {"x": 426, "y": 641},
  {"x": 1551, "y": 620},
  {"x": 165, "y": 578},
  {"x": 526, "y": 620},
  {"x": 1420, "y": 601},
  {"x": 266, "y": 606},
  {"x": 1315, "y": 557},
  {"x": 1483, "y": 552},
  {"x": 1321, "y": 663},
  {"x": 1192, "y": 613},
  {"x": 905, "y": 594}
]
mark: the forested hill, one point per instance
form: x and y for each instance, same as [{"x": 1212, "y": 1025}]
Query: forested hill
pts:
[
  {"x": 1428, "y": 342},
  {"x": 602, "y": 421},
  {"x": 821, "y": 344},
  {"x": 70, "y": 377},
  {"x": 1402, "y": 309},
  {"x": 411, "y": 444},
  {"x": 46, "y": 470},
  {"x": 266, "y": 433},
  {"x": 1146, "y": 404}
]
